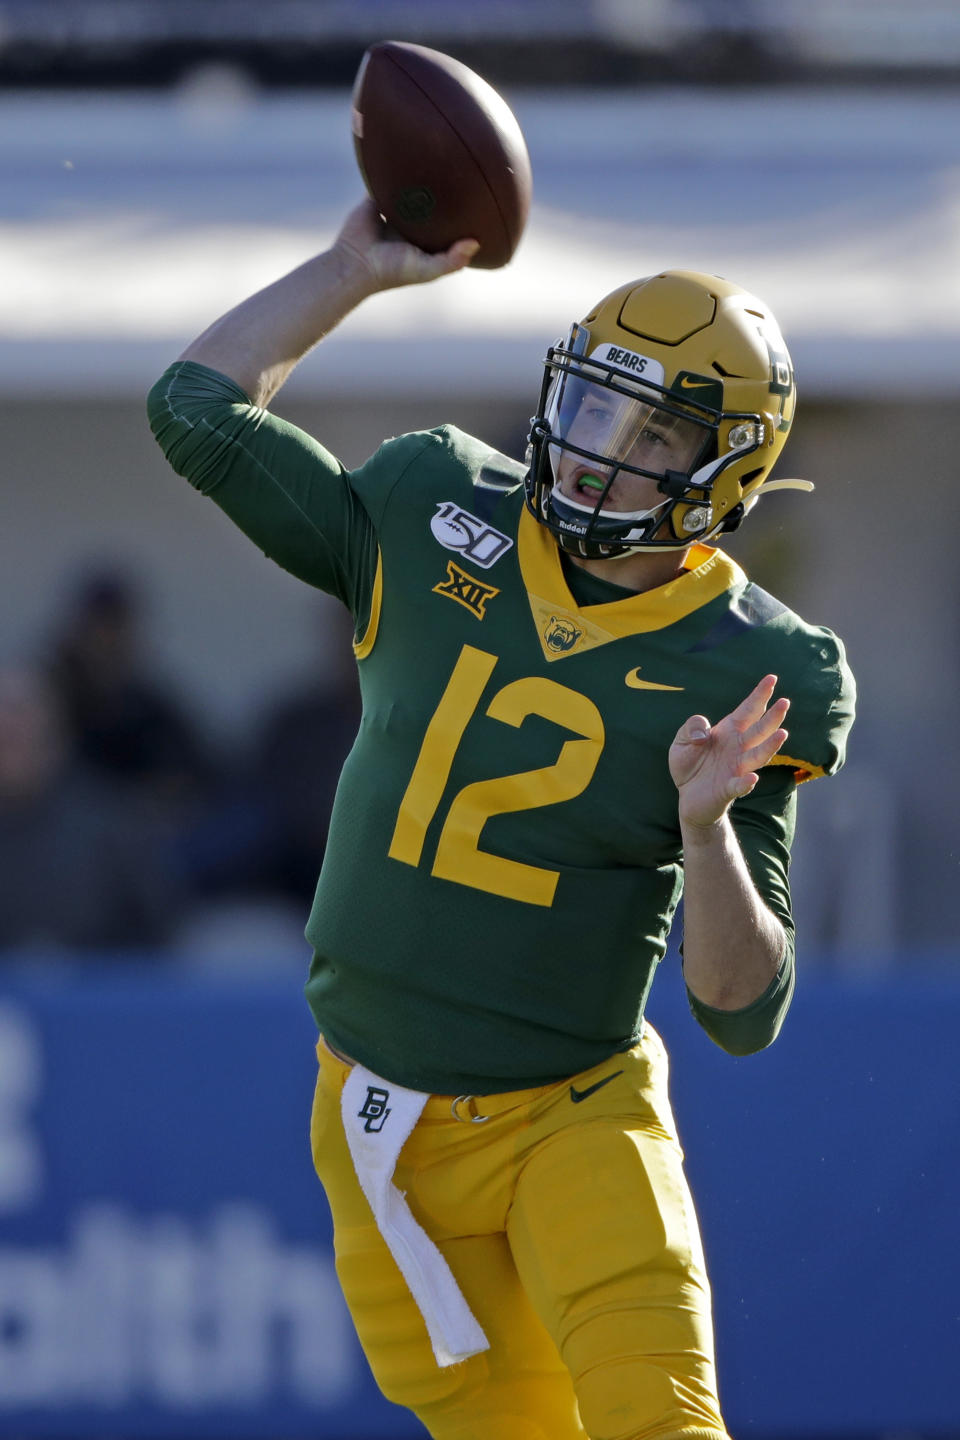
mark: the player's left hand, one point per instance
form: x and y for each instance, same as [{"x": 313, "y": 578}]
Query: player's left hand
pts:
[{"x": 713, "y": 765}]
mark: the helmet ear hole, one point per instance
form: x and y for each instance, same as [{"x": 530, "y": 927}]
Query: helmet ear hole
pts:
[
  {"x": 734, "y": 520},
  {"x": 739, "y": 512}
]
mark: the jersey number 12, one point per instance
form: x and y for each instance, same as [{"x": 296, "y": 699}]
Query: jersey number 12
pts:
[{"x": 458, "y": 855}]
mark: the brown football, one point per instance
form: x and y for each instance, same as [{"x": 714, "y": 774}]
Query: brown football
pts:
[{"x": 440, "y": 152}]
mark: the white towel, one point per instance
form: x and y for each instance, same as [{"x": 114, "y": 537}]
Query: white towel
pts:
[{"x": 378, "y": 1116}]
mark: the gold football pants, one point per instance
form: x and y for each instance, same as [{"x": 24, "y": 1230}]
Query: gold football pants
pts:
[{"x": 565, "y": 1217}]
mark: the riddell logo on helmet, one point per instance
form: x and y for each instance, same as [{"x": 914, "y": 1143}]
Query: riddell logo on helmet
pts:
[{"x": 630, "y": 362}]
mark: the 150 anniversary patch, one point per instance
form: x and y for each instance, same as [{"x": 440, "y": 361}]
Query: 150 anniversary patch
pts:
[{"x": 456, "y": 529}]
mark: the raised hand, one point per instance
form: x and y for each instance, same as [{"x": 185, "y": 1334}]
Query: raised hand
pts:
[
  {"x": 713, "y": 765},
  {"x": 367, "y": 240}
]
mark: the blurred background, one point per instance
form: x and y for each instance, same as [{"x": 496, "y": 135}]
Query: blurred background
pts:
[{"x": 174, "y": 710}]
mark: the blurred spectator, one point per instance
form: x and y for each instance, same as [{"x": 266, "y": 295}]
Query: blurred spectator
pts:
[
  {"x": 79, "y": 868},
  {"x": 256, "y": 847},
  {"x": 255, "y": 856},
  {"x": 125, "y": 724}
]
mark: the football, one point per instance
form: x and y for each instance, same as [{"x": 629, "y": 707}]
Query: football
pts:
[{"x": 440, "y": 151}]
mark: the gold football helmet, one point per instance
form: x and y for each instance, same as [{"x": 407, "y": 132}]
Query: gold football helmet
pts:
[{"x": 683, "y": 378}]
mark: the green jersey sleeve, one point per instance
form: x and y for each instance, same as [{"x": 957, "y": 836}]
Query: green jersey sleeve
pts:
[
  {"x": 764, "y": 824},
  {"x": 822, "y": 695},
  {"x": 283, "y": 489},
  {"x": 823, "y": 700}
]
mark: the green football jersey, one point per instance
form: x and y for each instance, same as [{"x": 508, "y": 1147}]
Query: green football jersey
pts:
[{"x": 504, "y": 857}]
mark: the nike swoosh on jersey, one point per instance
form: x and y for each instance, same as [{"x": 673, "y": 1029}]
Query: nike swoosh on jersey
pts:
[
  {"x": 577, "y": 1095},
  {"x": 633, "y": 681}
]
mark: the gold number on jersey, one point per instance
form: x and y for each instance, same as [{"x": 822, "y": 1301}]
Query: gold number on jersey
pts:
[
  {"x": 432, "y": 770},
  {"x": 458, "y": 855}
]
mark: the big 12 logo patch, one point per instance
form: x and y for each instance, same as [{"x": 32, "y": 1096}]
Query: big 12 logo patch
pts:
[{"x": 456, "y": 529}]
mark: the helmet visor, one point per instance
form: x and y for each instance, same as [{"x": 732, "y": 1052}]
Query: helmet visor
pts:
[{"x": 605, "y": 444}]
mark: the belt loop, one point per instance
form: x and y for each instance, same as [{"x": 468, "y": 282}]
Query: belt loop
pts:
[{"x": 467, "y": 1100}]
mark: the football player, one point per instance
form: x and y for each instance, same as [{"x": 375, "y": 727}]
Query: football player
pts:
[{"x": 575, "y": 707}]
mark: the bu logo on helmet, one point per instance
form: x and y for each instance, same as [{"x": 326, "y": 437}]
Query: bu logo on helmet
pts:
[{"x": 374, "y": 1109}]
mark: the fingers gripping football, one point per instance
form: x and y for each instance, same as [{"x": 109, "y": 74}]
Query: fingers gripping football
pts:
[
  {"x": 713, "y": 765},
  {"x": 387, "y": 260}
]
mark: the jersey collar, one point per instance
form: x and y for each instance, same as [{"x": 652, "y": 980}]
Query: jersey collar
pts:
[{"x": 710, "y": 573}]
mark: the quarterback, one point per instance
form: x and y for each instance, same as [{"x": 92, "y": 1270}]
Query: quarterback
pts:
[{"x": 575, "y": 706}]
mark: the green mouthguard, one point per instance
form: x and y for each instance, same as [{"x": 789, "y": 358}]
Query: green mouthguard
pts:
[{"x": 592, "y": 481}]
